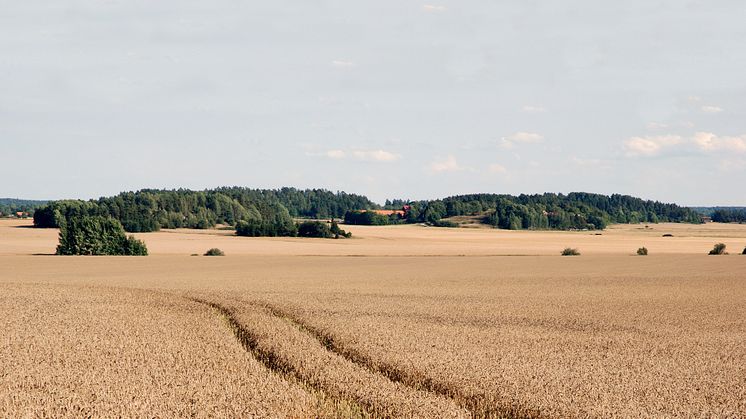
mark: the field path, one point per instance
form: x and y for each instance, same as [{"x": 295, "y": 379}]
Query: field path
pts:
[{"x": 288, "y": 348}]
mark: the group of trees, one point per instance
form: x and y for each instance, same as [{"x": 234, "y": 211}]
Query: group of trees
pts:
[
  {"x": 322, "y": 230},
  {"x": 577, "y": 210},
  {"x": 368, "y": 218},
  {"x": 97, "y": 235},
  {"x": 729, "y": 216},
  {"x": 264, "y": 211}
]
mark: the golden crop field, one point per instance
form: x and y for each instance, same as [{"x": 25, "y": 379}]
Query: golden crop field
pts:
[{"x": 401, "y": 321}]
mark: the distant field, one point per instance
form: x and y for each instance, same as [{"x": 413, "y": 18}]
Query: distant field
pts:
[{"x": 300, "y": 327}]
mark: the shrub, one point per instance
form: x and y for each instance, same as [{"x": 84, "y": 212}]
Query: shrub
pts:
[
  {"x": 668, "y": 235},
  {"x": 719, "y": 249},
  {"x": 97, "y": 235},
  {"x": 570, "y": 252},
  {"x": 338, "y": 232},
  {"x": 314, "y": 229},
  {"x": 444, "y": 223},
  {"x": 643, "y": 251},
  {"x": 214, "y": 252}
]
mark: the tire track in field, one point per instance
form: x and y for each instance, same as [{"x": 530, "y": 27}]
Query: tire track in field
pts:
[
  {"x": 250, "y": 342},
  {"x": 479, "y": 406}
]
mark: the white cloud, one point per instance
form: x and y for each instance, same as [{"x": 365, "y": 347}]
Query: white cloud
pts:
[
  {"x": 650, "y": 145},
  {"x": 533, "y": 109},
  {"x": 707, "y": 141},
  {"x": 521, "y": 137},
  {"x": 711, "y": 109},
  {"x": 375, "y": 155},
  {"x": 497, "y": 169},
  {"x": 360, "y": 155},
  {"x": 343, "y": 64},
  {"x": 431, "y": 8},
  {"x": 335, "y": 154},
  {"x": 656, "y": 125},
  {"x": 448, "y": 165},
  {"x": 687, "y": 124}
]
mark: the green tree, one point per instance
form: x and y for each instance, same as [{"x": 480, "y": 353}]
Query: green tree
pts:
[
  {"x": 97, "y": 235},
  {"x": 315, "y": 229}
]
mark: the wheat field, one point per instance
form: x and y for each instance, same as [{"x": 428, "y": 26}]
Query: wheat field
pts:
[{"x": 398, "y": 322}]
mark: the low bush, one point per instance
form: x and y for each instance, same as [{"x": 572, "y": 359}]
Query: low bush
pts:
[
  {"x": 214, "y": 252},
  {"x": 338, "y": 232},
  {"x": 570, "y": 252},
  {"x": 444, "y": 223},
  {"x": 643, "y": 251},
  {"x": 719, "y": 249},
  {"x": 314, "y": 229},
  {"x": 322, "y": 230},
  {"x": 668, "y": 235}
]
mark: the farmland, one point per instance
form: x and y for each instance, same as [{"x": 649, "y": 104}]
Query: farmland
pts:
[{"x": 401, "y": 321}]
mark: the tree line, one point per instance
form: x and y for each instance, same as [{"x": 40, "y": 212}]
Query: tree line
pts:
[
  {"x": 577, "y": 210},
  {"x": 268, "y": 212}
]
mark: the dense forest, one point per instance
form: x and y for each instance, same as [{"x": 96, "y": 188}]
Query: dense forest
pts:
[
  {"x": 10, "y": 206},
  {"x": 577, "y": 210},
  {"x": 264, "y": 212}
]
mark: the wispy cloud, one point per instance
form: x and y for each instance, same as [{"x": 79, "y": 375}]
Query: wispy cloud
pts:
[
  {"x": 432, "y": 8},
  {"x": 449, "y": 164},
  {"x": 521, "y": 137},
  {"x": 650, "y": 145},
  {"x": 707, "y": 141},
  {"x": 497, "y": 169},
  {"x": 335, "y": 154},
  {"x": 375, "y": 155},
  {"x": 711, "y": 109},
  {"x": 656, "y": 125},
  {"x": 381, "y": 156}
]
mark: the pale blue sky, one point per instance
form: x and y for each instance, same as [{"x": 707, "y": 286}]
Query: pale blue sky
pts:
[{"x": 385, "y": 98}]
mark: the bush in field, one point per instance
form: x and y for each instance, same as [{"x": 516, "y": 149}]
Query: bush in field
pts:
[
  {"x": 214, "y": 252},
  {"x": 271, "y": 220},
  {"x": 314, "y": 229},
  {"x": 643, "y": 251},
  {"x": 570, "y": 252},
  {"x": 444, "y": 223},
  {"x": 97, "y": 235},
  {"x": 338, "y": 232},
  {"x": 321, "y": 230},
  {"x": 719, "y": 249}
]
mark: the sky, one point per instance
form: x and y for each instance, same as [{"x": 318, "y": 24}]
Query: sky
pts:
[{"x": 390, "y": 99}]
